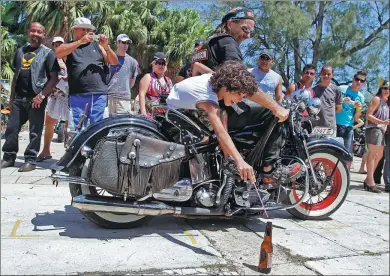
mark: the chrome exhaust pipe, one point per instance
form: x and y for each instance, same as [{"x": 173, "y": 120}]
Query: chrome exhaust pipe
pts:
[{"x": 90, "y": 203}]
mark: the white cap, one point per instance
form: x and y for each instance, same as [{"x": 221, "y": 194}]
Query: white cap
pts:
[
  {"x": 58, "y": 39},
  {"x": 123, "y": 37},
  {"x": 83, "y": 22}
]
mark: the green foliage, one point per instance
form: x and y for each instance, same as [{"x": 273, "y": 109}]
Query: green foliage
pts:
[
  {"x": 7, "y": 52},
  {"x": 150, "y": 24},
  {"x": 349, "y": 36}
]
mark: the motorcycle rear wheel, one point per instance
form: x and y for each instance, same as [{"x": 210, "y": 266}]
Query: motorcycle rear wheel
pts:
[
  {"x": 315, "y": 207},
  {"x": 105, "y": 220}
]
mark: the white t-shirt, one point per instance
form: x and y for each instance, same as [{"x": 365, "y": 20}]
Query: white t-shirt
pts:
[
  {"x": 266, "y": 81},
  {"x": 188, "y": 93}
]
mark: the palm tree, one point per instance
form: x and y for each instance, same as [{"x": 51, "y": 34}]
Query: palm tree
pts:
[{"x": 8, "y": 47}]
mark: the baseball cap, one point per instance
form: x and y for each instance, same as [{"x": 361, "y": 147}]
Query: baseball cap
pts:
[
  {"x": 267, "y": 52},
  {"x": 159, "y": 55},
  {"x": 123, "y": 37},
  {"x": 58, "y": 39},
  {"x": 239, "y": 13},
  {"x": 198, "y": 43},
  {"x": 82, "y": 22}
]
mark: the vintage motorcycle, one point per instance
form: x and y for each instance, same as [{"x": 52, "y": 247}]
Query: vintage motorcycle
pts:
[{"x": 127, "y": 169}]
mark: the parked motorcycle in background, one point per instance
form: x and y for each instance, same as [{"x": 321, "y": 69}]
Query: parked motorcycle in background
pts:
[
  {"x": 4, "y": 118},
  {"x": 359, "y": 142},
  {"x": 60, "y": 130}
]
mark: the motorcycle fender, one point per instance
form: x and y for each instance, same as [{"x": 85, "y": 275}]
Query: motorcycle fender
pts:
[
  {"x": 331, "y": 145},
  {"x": 93, "y": 133}
]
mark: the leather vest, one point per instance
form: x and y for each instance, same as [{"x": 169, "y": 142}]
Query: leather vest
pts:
[
  {"x": 205, "y": 54},
  {"x": 39, "y": 76}
]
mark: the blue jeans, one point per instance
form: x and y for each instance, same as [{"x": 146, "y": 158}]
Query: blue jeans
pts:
[
  {"x": 95, "y": 110},
  {"x": 346, "y": 132},
  {"x": 386, "y": 169}
]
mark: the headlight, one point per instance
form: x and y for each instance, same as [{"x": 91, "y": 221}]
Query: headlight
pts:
[
  {"x": 301, "y": 95},
  {"x": 313, "y": 107}
]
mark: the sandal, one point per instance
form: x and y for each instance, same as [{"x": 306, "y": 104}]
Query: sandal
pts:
[
  {"x": 43, "y": 158},
  {"x": 372, "y": 189}
]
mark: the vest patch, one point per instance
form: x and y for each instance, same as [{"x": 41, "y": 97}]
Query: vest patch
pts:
[{"x": 201, "y": 54}]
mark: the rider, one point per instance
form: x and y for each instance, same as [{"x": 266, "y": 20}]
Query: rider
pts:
[
  {"x": 223, "y": 45},
  {"x": 230, "y": 83}
]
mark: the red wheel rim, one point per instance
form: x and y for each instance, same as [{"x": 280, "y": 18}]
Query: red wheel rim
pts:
[{"x": 333, "y": 193}]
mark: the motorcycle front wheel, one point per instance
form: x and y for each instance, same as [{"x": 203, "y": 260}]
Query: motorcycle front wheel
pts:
[{"x": 321, "y": 203}]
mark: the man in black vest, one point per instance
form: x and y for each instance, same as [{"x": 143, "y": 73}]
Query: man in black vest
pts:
[
  {"x": 86, "y": 60},
  {"x": 236, "y": 26},
  {"x": 36, "y": 74}
]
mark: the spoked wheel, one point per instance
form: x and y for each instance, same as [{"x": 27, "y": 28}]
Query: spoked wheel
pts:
[
  {"x": 106, "y": 220},
  {"x": 323, "y": 200}
]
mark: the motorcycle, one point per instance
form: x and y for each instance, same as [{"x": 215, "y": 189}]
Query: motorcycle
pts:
[
  {"x": 359, "y": 142},
  {"x": 126, "y": 169},
  {"x": 60, "y": 130},
  {"x": 4, "y": 119}
]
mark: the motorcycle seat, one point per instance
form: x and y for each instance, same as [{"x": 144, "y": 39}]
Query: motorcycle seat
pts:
[{"x": 251, "y": 115}]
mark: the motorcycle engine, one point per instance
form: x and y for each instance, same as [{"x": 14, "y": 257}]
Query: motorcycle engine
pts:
[{"x": 205, "y": 195}]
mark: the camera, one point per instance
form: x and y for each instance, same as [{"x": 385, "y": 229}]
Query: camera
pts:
[{"x": 96, "y": 37}]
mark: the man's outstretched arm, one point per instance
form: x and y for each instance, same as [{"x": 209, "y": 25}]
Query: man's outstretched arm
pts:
[{"x": 263, "y": 99}]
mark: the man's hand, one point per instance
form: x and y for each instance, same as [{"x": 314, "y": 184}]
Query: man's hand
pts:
[
  {"x": 36, "y": 102},
  {"x": 347, "y": 100},
  {"x": 358, "y": 105},
  {"x": 87, "y": 38},
  {"x": 246, "y": 171},
  {"x": 103, "y": 41},
  {"x": 281, "y": 113}
]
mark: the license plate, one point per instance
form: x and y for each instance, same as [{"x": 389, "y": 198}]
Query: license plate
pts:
[{"x": 323, "y": 131}]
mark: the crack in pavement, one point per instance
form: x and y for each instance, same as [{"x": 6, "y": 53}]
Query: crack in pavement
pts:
[{"x": 369, "y": 207}]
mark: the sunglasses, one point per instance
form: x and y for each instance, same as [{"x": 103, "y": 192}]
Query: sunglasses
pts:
[
  {"x": 162, "y": 63},
  {"x": 264, "y": 57},
  {"x": 246, "y": 30},
  {"x": 309, "y": 73},
  {"x": 125, "y": 42},
  {"x": 359, "y": 80}
]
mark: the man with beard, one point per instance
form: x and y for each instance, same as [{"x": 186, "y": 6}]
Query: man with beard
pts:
[
  {"x": 36, "y": 74},
  {"x": 237, "y": 26}
]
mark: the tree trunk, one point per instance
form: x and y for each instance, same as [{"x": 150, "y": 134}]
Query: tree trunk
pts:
[
  {"x": 319, "y": 22},
  {"x": 297, "y": 59},
  {"x": 64, "y": 33}
]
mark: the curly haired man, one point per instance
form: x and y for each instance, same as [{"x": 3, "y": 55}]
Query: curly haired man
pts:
[{"x": 210, "y": 94}]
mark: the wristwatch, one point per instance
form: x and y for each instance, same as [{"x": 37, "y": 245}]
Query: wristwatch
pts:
[{"x": 41, "y": 96}]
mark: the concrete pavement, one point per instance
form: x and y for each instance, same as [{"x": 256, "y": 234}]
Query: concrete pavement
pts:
[{"x": 42, "y": 234}]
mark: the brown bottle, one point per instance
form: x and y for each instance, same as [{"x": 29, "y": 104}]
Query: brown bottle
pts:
[{"x": 266, "y": 250}]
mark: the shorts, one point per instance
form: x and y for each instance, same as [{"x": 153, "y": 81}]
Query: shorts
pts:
[
  {"x": 375, "y": 136},
  {"x": 57, "y": 107},
  {"x": 118, "y": 106}
]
